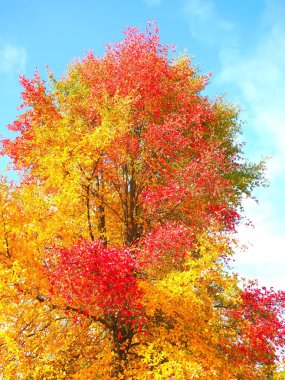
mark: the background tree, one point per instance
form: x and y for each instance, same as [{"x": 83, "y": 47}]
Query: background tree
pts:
[{"x": 115, "y": 240}]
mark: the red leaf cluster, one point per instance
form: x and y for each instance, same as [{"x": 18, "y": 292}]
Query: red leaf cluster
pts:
[
  {"x": 97, "y": 280},
  {"x": 260, "y": 322}
]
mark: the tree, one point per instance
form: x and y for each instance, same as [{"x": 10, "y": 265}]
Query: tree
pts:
[{"x": 115, "y": 240}]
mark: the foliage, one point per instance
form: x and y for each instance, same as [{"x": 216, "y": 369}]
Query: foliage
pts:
[{"x": 115, "y": 241}]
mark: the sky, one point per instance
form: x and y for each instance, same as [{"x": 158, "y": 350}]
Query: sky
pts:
[{"x": 241, "y": 42}]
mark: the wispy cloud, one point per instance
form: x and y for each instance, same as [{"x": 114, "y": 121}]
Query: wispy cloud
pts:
[
  {"x": 152, "y": 3},
  {"x": 264, "y": 257},
  {"x": 12, "y": 58},
  {"x": 204, "y": 10},
  {"x": 257, "y": 78},
  {"x": 204, "y": 22},
  {"x": 260, "y": 80}
]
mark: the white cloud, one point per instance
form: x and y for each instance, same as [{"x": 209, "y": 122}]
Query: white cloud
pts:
[
  {"x": 204, "y": 22},
  {"x": 152, "y": 3},
  {"x": 257, "y": 78},
  {"x": 264, "y": 258},
  {"x": 203, "y": 10},
  {"x": 12, "y": 58}
]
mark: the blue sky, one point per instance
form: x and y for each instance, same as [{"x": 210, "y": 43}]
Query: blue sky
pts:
[{"x": 241, "y": 42}]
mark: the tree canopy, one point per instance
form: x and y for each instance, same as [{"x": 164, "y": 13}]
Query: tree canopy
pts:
[{"x": 115, "y": 241}]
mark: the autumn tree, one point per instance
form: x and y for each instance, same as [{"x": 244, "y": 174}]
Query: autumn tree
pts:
[{"x": 116, "y": 238}]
